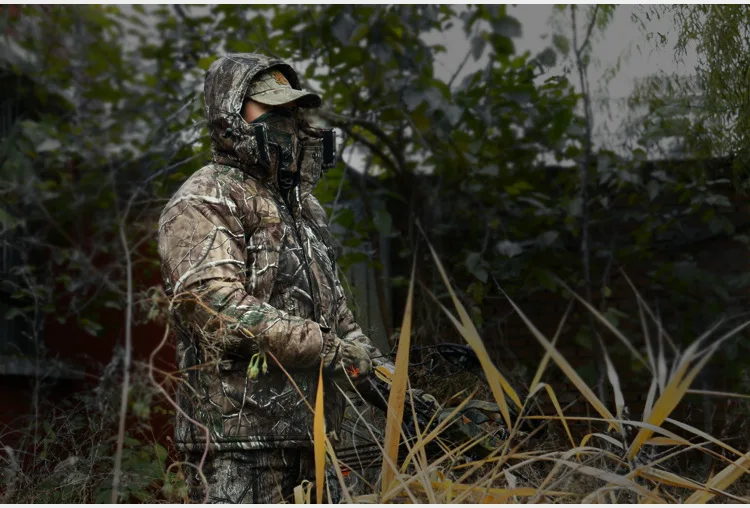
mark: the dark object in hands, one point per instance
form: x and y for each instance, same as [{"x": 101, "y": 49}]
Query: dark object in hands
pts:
[
  {"x": 329, "y": 148},
  {"x": 465, "y": 425}
]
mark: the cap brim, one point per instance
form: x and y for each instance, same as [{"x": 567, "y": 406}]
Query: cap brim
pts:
[{"x": 278, "y": 97}]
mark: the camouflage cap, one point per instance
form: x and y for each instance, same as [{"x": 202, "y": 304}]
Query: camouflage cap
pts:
[{"x": 272, "y": 88}]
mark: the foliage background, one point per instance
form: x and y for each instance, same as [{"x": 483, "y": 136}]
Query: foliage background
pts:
[{"x": 498, "y": 168}]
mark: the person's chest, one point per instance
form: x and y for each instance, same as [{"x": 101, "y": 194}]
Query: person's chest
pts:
[{"x": 289, "y": 260}]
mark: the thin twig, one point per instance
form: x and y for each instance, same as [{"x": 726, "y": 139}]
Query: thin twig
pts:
[
  {"x": 590, "y": 29},
  {"x": 584, "y": 195},
  {"x": 126, "y": 360},
  {"x": 180, "y": 410},
  {"x": 463, "y": 63}
]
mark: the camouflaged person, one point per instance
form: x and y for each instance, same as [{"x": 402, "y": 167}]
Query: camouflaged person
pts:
[{"x": 247, "y": 258}]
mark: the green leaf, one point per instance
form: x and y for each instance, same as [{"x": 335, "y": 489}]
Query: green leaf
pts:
[
  {"x": 240, "y": 46},
  {"x": 141, "y": 410},
  {"x": 509, "y": 249},
  {"x": 548, "y": 57},
  {"x": 547, "y": 238},
  {"x": 205, "y": 62},
  {"x": 383, "y": 221},
  {"x": 360, "y": 33},
  {"x": 391, "y": 115},
  {"x": 477, "y": 267},
  {"x": 343, "y": 28},
  {"x": 613, "y": 316},
  {"x": 161, "y": 453},
  {"x": 104, "y": 496},
  {"x": 91, "y": 327},
  {"x": 130, "y": 441},
  {"x": 478, "y": 43},
  {"x": 519, "y": 187},
  {"x": 13, "y": 313},
  {"x": 142, "y": 495},
  {"x": 718, "y": 200},
  {"x": 353, "y": 258},
  {"x": 421, "y": 122},
  {"x": 507, "y": 26},
  {"x": 583, "y": 339},
  {"x": 346, "y": 219},
  {"x": 653, "y": 188},
  {"x": 561, "y": 43}
]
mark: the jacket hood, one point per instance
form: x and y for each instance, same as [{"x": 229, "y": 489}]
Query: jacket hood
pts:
[
  {"x": 232, "y": 140},
  {"x": 226, "y": 82}
]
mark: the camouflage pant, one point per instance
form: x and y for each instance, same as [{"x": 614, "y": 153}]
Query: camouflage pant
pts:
[{"x": 255, "y": 477}]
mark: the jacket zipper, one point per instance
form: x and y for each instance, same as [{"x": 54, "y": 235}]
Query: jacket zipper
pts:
[{"x": 298, "y": 237}]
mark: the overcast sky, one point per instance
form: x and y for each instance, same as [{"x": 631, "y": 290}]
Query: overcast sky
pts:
[{"x": 622, "y": 39}]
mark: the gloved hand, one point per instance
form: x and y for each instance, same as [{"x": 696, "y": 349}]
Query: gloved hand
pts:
[{"x": 344, "y": 360}]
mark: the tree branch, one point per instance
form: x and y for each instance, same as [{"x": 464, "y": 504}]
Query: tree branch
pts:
[
  {"x": 345, "y": 121},
  {"x": 126, "y": 359},
  {"x": 373, "y": 148},
  {"x": 463, "y": 63},
  {"x": 584, "y": 196},
  {"x": 588, "y": 31}
]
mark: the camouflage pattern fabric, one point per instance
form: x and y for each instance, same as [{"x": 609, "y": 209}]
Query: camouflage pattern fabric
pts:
[
  {"x": 251, "y": 272},
  {"x": 256, "y": 477},
  {"x": 273, "y": 88}
]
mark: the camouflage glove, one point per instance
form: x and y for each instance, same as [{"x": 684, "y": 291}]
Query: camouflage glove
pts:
[{"x": 344, "y": 360}]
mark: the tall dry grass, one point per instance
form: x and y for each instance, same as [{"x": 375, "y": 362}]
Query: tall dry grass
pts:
[{"x": 622, "y": 458}]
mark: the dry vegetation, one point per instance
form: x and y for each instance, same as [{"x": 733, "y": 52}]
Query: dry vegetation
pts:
[
  {"x": 622, "y": 458},
  {"x": 619, "y": 459}
]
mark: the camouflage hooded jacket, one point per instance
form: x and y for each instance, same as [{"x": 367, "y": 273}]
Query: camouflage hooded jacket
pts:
[{"x": 250, "y": 271}]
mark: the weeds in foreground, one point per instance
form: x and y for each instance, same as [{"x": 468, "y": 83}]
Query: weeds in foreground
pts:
[
  {"x": 621, "y": 459},
  {"x": 69, "y": 459}
]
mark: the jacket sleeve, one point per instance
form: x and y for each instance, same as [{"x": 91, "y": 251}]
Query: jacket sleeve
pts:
[{"x": 202, "y": 247}]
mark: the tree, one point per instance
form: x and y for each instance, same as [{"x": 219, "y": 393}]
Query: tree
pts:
[
  {"x": 497, "y": 168},
  {"x": 705, "y": 108}
]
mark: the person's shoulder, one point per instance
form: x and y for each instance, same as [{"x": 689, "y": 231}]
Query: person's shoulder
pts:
[
  {"x": 315, "y": 210},
  {"x": 219, "y": 181},
  {"x": 212, "y": 175}
]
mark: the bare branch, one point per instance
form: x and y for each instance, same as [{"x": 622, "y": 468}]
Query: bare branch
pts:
[
  {"x": 590, "y": 29},
  {"x": 344, "y": 122},
  {"x": 375, "y": 149},
  {"x": 463, "y": 63},
  {"x": 584, "y": 194},
  {"x": 128, "y": 353}
]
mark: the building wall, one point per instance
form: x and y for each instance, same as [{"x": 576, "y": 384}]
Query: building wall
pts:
[
  {"x": 74, "y": 361},
  {"x": 360, "y": 279}
]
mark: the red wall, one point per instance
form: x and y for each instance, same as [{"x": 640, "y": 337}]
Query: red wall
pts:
[{"x": 89, "y": 354}]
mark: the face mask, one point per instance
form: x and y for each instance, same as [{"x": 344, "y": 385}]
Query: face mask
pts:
[{"x": 283, "y": 139}]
